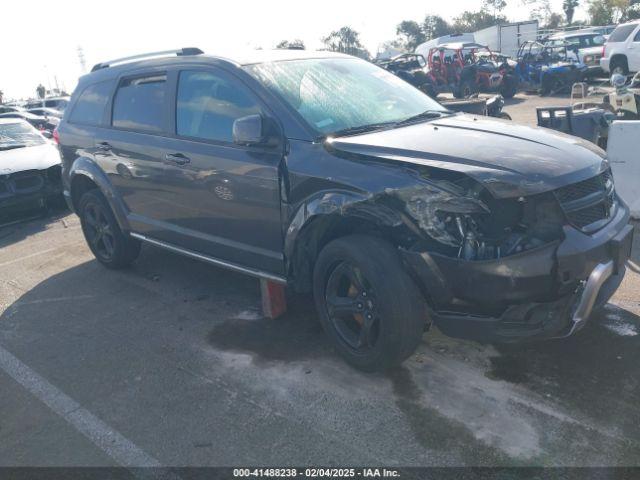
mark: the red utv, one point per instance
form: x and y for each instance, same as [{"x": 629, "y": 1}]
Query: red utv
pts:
[{"x": 465, "y": 68}]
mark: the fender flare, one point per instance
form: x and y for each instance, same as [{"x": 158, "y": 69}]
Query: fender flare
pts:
[{"x": 84, "y": 166}]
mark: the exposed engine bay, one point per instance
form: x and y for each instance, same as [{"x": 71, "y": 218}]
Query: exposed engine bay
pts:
[{"x": 463, "y": 220}]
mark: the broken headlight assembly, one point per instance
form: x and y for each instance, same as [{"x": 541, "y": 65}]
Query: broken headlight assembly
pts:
[{"x": 462, "y": 219}]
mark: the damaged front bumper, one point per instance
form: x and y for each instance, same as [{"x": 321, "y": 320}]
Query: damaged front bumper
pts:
[
  {"x": 543, "y": 293},
  {"x": 18, "y": 204}
]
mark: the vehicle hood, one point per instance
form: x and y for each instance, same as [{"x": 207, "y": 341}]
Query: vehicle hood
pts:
[
  {"x": 509, "y": 159},
  {"x": 38, "y": 157}
]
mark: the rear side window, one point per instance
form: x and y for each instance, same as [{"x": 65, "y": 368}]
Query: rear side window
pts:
[
  {"x": 139, "y": 103},
  {"x": 90, "y": 106},
  {"x": 208, "y": 103},
  {"x": 621, "y": 33}
]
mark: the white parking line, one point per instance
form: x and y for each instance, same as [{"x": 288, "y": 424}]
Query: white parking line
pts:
[
  {"x": 41, "y": 252},
  {"x": 119, "y": 448}
]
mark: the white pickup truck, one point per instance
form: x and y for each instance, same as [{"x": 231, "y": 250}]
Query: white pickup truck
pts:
[
  {"x": 583, "y": 46},
  {"x": 621, "y": 53}
]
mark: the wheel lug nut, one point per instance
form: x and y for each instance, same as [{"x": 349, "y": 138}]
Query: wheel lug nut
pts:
[{"x": 364, "y": 294}]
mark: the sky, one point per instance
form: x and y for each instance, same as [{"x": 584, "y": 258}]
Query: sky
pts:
[{"x": 39, "y": 40}]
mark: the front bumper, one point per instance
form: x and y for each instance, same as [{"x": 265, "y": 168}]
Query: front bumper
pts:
[
  {"x": 542, "y": 293},
  {"x": 16, "y": 205}
]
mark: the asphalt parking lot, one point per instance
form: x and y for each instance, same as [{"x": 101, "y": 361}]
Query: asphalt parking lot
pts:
[{"x": 170, "y": 363}]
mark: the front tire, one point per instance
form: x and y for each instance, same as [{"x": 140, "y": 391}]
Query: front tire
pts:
[
  {"x": 369, "y": 307},
  {"x": 108, "y": 243}
]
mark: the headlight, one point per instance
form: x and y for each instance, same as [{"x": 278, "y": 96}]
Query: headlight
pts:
[
  {"x": 467, "y": 222},
  {"x": 434, "y": 209}
]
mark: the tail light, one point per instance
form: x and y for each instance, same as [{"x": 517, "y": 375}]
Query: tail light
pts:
[
  {"x": 604, "y": 48},
  {"x": 56, "y": 136}
]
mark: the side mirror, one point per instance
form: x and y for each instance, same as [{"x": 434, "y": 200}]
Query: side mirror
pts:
[{"x": 249, "y": 130}]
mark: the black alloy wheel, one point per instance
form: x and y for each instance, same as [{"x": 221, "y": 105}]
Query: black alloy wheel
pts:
[
  {"x": 351, "y": 307},
  {"x": 370, "y": 308},
  {"x": 98, "y": 231},
  {"x": 110, "y": 245}
]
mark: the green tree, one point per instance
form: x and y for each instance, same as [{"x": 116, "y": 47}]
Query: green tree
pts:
[
  {"x": 411, "y": 34},
  {"x": 569, "y": 8},
  {"x": 346, "y": 40},
  {"x": 296, "y": 44},
  {"x": 495, "y": 6},
  {"x": 553, "y": 22},
  {"x": 541, "y": 10},
  {"x": 605, "y": 12},
  {"x": 435, "y": 26},
  {"x": 471, "y": 21}
]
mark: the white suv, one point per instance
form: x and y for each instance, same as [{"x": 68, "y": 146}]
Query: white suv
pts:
[{"x": 621, "y": 53}]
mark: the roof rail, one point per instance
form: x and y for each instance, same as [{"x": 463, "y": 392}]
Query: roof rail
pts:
[{"x": 180, "y": 52}]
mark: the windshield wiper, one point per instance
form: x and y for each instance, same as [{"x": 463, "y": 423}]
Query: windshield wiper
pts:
[
  {"x": 360, "y": 129},
  {"x": 15, "y": 145},
  {"x": 426, "y": 115}
]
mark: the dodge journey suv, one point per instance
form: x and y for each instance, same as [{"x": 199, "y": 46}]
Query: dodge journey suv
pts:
[{"x": 329, "y": 174}]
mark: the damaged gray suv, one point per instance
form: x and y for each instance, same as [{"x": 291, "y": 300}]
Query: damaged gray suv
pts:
[{"x": 326, "y": 173}]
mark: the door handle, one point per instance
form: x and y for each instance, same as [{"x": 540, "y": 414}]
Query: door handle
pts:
[
  {"x": 177, "y": 159},
  {"x": 104, "y": 146}
]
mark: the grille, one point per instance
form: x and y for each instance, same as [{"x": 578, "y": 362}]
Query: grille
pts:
[
  {"x": 588, "y": 202},
  {"x": 587, "y": 216},
  {"x": 579, "y": 190},
  {"x": 22, "y": 183}
]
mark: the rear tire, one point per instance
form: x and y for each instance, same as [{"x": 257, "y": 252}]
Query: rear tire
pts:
[
  {"x": 509, "y": 86},
  {"x": 467, "y": 88},
  {"x": 369, "y": 307},
  {"x": 111, "y": 247},
  {"x": 619, "y": 65},
  {"x": 551, "y": 84}
]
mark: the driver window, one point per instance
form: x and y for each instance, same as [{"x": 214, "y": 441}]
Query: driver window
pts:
[{"x": 209, "y": 103}]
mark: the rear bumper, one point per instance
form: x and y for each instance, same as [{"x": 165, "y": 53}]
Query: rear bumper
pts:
[
  {"x": 542, "y": 293},
  {"x": 594, "y": 70}
]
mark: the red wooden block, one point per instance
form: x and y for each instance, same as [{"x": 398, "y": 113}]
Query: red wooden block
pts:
[{"x": 274, "y": 302}]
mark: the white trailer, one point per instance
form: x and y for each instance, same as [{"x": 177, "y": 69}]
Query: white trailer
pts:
[
  {"x": 622, "y": 150},
  {"x": 507, "y": 37}
]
